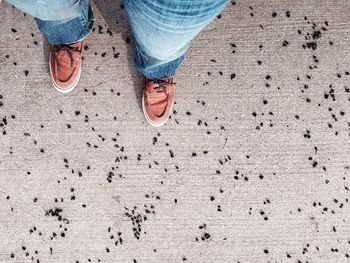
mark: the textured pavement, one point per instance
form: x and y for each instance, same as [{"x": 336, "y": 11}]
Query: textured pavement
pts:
[{"x": 253, "y": 165}]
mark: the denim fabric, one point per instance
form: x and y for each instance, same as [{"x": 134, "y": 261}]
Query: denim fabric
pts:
[
  {"x": 60, "y": 21},
  {"x": 163, "y": 29}
]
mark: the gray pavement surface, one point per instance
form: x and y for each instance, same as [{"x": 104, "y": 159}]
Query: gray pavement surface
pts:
[{"x": 253, "y": 165}]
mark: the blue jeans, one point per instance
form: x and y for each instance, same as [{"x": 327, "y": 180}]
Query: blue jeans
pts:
[{"x": 163, "y": 29}]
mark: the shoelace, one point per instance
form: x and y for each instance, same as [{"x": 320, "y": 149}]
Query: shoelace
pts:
[
  {"x": 70, "y": 49},
  {"x": 162, "y": 84}
]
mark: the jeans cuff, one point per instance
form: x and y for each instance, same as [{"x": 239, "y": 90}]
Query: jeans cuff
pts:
[
  {"x": 153, "y": 68},
  {"x": 67, "y": 31}
]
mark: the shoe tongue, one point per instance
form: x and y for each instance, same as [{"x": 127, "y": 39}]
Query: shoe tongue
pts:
[
  {"x": 157, "y": 94},
  {"x": 156, "y": 87},
  {"x": 63, "y": 55}
]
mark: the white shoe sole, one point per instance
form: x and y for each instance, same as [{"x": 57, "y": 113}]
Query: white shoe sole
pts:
[{"x": 57, "y": 87}]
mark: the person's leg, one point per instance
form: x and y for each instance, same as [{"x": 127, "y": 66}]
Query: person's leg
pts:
[
  {"x": 163, "y": 31},
  {"x": 60, "y": 21},
  {"x": 65, "y": 23}
]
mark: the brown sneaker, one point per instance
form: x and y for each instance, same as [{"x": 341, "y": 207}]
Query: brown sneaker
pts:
[
  {"x": 158, "y": 100},
  {"x": 65, "y": 66}
]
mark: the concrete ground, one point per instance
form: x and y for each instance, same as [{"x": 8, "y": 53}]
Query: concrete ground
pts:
[{"x": 253, "y": 165}]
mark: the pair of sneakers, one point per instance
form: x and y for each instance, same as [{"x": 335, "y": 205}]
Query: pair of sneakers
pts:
[{"x": 65, "y": 70}]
